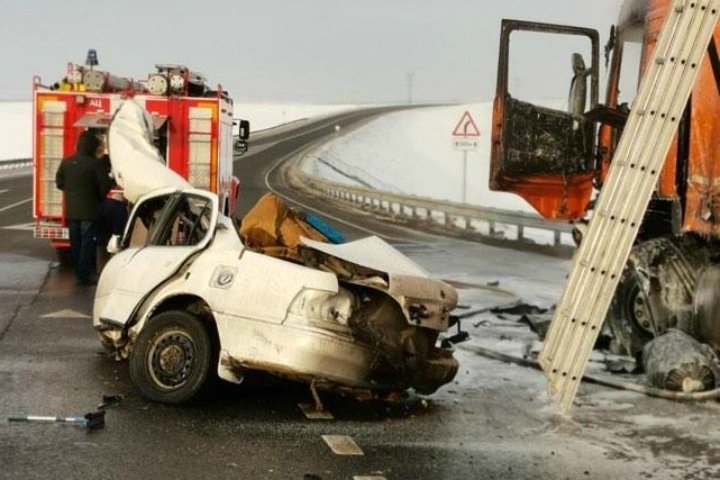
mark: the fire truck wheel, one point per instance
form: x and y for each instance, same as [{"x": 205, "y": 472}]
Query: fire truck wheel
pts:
[{"x": 172, "y": 360}]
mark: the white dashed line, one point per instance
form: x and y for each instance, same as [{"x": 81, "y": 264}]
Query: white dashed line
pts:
[
  {"x": 16, "y": 204},
  {"x": 342, "y": 445},
  {"x": 29, "y": 227},
  {"x": 4, "y": 190},
  {"x": 369, "y": 477},
  {"x": 67, "y": 313}
]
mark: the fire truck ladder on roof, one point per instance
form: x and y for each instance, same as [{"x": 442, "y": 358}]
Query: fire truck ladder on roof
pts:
[{"x": 600, "y": 260}]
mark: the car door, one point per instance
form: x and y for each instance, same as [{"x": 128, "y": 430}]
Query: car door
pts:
[
  {"x": 545, "y": 154},
  {"x": 163, "y": 231}
]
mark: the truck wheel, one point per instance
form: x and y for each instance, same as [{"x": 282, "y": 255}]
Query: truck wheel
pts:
[
  {"x": 629, "y": 318},
  {"x": 172, "y": 359}
]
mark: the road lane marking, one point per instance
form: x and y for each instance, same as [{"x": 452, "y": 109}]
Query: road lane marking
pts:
[
  {"x": 67, "y": 313},
  {"x": 4, "y": 190},
  {"x": 369, "y": 477},
  {"x": 312, "y": 414},
  {"x": 16, "y": 204},
  {"x": 342, "y": 445},
  {"x": 20, "y": 226}
]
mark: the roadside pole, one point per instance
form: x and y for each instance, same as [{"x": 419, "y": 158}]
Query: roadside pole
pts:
[
  {"x": 464, "y": 175},
  {"x": 465, "y": 138}
]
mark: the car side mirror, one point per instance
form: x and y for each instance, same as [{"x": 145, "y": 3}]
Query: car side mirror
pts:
[
  {"x": 114, "y": 245},
  {"x": 244, "y": 130}
]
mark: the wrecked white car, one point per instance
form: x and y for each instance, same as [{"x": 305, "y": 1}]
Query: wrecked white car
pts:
[{"x": 185, "y": 297}]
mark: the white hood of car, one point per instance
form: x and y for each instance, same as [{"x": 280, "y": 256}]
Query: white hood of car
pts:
[
  {"x": 136, "y": 164},
  {"x": 373, "y": 253}
]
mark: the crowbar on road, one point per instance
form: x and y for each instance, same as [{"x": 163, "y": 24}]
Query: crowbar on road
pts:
[{"x": 91, "y": 421}]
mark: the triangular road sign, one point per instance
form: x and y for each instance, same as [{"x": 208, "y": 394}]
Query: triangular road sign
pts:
[
  {"x": 466, "y": 127},
  {"x": 67, "y": 313}
]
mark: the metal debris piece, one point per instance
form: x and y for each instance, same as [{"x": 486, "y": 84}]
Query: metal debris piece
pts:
[
  {"x": 621, "y": 364},
  {"x": 109, "y": 401},
  {"x": 311, "y": 413},
  {"x": 675, "y": 361},
  {"x": 538, "y": 323},
  {"x": 520, "y": 309}
]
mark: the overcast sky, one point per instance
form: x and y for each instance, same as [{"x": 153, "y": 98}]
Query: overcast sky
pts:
[{"x": 315, "y": 51}]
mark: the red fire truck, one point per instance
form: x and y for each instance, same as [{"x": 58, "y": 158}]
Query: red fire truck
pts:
[{"x": 193, "y": 131}]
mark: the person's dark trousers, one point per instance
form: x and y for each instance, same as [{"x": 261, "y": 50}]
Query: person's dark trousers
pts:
[{"x": 83, "y": 239}]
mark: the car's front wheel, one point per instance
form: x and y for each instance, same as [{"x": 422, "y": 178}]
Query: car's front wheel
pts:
[{"x": 172, "y": 358}]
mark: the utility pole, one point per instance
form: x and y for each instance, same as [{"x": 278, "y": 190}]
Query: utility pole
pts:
[{"x": 410, "y": 76}]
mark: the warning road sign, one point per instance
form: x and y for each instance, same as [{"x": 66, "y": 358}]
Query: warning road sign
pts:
[{"x": 466, "y": 127}]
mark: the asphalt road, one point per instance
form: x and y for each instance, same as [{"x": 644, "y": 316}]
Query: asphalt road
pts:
[{"x": 493, "y": 422}]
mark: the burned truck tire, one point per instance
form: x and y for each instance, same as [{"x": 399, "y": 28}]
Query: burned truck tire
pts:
[
  {"x": 656, "y": 290},
  {"x": 172, "y": 360},
  {"x": 629, "y": 317},
  {"x": 706, "y": 307}
]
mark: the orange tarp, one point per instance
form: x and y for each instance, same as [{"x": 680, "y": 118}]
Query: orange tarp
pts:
[{"x": 271, "y": 227}]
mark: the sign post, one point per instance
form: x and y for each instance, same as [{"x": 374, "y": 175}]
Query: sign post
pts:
[{"x": 465, "y": 138}]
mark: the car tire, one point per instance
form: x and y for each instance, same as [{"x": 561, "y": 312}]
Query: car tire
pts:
[{"x": 172, "y": 360}]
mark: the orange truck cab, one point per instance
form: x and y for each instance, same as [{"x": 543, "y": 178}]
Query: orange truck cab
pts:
[{"x": 556, "y": 156}]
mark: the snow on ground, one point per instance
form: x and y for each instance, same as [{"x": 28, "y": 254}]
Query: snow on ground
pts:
[
  {"x": 267, "y": 115},
  {"x": 16, "y": 121},
  {"x": 15, "y": 130}
]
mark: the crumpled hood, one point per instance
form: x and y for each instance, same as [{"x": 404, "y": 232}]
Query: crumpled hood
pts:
[
  {"x": 372, "y": 253},
  {"x": 425, "y": 301},
  {"x": 136, "y": 164}
]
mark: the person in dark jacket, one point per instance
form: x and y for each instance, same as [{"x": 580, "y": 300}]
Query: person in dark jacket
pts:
[
  {"x": 113, "y": 217},
  {"x": 85, "y": 183}
]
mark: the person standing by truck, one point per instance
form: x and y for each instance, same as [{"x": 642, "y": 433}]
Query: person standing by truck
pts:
[{"x": 85, "y": 183}]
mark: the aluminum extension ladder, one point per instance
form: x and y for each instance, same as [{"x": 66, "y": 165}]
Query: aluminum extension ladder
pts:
[{"x": 632, "y": 177}]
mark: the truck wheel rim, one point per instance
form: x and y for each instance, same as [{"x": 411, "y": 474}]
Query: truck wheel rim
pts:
[{"x": 170, "y": 359}]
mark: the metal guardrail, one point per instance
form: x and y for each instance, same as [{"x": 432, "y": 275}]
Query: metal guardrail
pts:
[
  {"x": 15, "y": 163},
  {"x": 445, "y": 213}
]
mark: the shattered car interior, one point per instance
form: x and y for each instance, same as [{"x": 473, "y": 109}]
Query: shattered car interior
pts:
[{"x": 190, "y": 294}]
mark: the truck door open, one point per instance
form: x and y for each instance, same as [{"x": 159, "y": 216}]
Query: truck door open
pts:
[{"x": 543, "y": 153}]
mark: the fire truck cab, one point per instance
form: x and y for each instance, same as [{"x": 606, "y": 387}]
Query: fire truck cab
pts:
[{"x": 193, "y": 131}]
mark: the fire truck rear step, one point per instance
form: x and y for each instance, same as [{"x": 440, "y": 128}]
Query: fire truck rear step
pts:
[{"x": 600, "y": 260}]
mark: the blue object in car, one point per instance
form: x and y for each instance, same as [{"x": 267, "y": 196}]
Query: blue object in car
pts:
[{"x": 319, "y": 224}]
